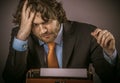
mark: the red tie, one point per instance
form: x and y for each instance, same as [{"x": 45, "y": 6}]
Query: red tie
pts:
[{"x": 52, "y": 59}]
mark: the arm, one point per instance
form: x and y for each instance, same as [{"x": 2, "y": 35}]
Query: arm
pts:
[
  {"x": 15, "y": 67},
  {"x": 106, "y": 42}
]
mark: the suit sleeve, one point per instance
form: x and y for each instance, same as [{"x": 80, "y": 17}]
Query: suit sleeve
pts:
[{"x": 15, "y": 67}]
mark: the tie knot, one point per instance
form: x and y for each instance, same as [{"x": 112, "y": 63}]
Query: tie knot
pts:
[{"x": 51, "y": 45}]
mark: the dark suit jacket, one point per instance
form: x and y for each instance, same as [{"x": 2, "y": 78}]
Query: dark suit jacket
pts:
[{"x": 79, "y": 49}]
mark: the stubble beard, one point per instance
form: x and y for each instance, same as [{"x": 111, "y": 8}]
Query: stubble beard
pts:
[
  {"x": 52, "y": 37},
  {"x": 49, "y": 39}
]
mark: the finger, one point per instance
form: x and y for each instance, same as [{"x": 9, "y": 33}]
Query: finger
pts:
[
  {"x": 102, "y": 42},
  {"x": 101, "y": 36},
  {"x": 32, "y": 15},
  {"x": 96, "y": 32},
  {"x": 24, "y": 7},
  {"x": 28, "y": 10},
  {"x": 109, "y": 39}
]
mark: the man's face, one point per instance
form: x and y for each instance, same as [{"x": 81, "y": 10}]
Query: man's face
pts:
[{"x": 45, "y": 31}]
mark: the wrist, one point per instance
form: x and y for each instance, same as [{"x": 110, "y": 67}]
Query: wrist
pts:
[
  {"x": 109, "y": 52},
  {"x": 22, "y": 35}
]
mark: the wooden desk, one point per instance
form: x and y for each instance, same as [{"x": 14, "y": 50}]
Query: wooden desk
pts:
[{"x": 52, "y": 80}]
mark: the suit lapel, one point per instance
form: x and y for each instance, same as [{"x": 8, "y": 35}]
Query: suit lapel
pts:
[{"x": 68, "y": 43}]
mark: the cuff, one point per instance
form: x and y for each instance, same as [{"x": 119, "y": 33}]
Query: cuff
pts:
[
  {"x": 111, "y": 59},
  {"x": 20, "y": 45}
]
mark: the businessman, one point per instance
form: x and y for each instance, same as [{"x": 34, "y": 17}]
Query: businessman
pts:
[{"x": 42, "y": 24}]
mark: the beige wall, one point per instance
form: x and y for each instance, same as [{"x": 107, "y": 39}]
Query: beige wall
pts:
[{"x": 102, "y": 13}]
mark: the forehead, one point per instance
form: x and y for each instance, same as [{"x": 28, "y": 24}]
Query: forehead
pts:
[{"x": 38, "y": 15}]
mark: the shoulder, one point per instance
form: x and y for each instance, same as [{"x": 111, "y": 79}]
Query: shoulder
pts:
[
  {"x": 83, "y": 25},
  {"x": 80, "y": 26}
]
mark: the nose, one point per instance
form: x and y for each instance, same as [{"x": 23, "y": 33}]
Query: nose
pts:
[{"x": 43, "y": 28}]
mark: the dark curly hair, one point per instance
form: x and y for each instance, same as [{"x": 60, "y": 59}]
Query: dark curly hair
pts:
[{"x": 49, "y": 9}]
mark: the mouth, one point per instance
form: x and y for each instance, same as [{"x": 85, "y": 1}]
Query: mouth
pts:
[{"x": 46, "y": 35}]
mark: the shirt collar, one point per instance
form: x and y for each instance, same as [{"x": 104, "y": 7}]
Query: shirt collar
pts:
[{"x": 58, "y": 39}]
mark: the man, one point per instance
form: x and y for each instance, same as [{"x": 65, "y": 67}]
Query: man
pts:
[{"x": 41, "y": 22}]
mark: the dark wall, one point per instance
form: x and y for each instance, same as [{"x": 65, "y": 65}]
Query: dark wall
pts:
[
  {"x": 102, "y": 13},
  {"x": 7, "y": 7}
]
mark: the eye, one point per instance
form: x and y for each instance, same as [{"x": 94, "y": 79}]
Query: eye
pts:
[
  {"x": 35, "y": 25},
  {"x": 44, "y": 23}
]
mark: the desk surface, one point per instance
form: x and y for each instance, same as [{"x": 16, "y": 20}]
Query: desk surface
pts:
[
  {"x": 58, "y": 76},
  {"x": 52, "y": 80}
]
